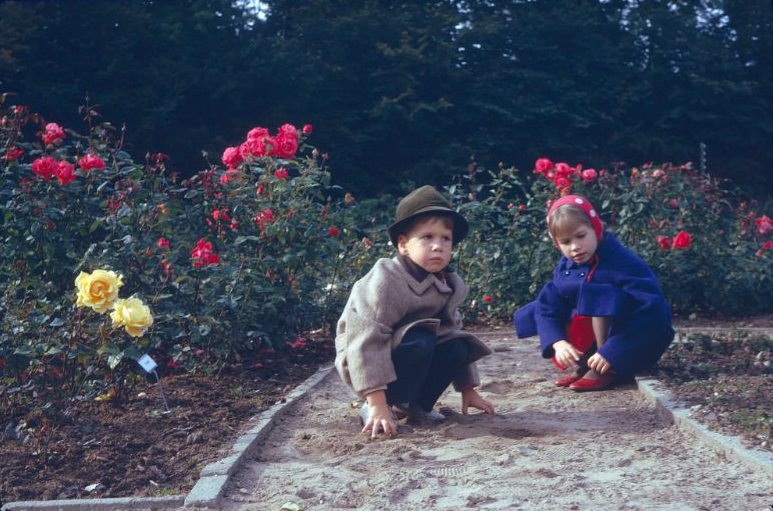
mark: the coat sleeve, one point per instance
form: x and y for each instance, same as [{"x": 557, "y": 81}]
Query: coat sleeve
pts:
[
  {"x": 552, "y": 315},
  {"x": 365, "y": 332}
]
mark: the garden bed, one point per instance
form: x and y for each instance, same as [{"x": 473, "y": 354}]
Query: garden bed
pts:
[
  {"x": 136, "y": 448},
  {"x": 724, "y": 375}
]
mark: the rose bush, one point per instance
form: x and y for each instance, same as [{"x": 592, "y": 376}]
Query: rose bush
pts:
[
  {"x": 259, "y": 248},
  {"x": 235, "y": 261},
  {"x": 705, "y": 241}
]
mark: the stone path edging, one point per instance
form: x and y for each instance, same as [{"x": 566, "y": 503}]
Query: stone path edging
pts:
[
  {"x": 682, "y": 418},
  {"x": 213, "y": 478}
]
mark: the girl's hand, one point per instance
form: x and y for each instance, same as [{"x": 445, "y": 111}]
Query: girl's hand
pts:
[
  {"x": 599, "y": 364},
  {"x": 470, "y": 397},
  {"x": 566, "y": 354}
]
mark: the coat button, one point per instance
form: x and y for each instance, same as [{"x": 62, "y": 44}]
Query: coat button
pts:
[
  {"x": 567, "y": 272},
  {"x": 582, "y": 274}
]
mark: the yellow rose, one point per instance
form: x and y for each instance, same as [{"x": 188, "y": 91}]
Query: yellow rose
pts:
[
  {"x": 133, "y": 315},
  {"x": 98, "y": 290}
]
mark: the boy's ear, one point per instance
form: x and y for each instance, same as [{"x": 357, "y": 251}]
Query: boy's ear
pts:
[{"x": 401, "y": 241}]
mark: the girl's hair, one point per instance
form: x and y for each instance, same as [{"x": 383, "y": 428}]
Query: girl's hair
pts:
[{"x": 565, "y": 219}]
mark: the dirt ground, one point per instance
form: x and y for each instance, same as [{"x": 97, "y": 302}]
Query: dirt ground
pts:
[
  {"x": 137, "y": 447},
  {"x": 546, "y": 435},
  {"x": 546, "y": 448}
]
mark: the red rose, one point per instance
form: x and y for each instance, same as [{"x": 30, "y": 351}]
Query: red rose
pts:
[
  {"x": 256, "y": 147},
  {"x": 91, "y": 161},
  {"x": 287, "y": 130},
  {"x": 665, "y": 242},
  {"x": 563, "y": 170},
  {"x": 589, "y": 175},
  {"x": 221, "y": 215},
  {"x": 232, "y": 157},
  {"x": 53, "y": 133},
  {"x": 202, "y": 254},
  {"x": 332, "y": 231},
  {"x": 163, "y": 242},
  {"x": 542, "y": 165},
  {"x": 682, "y": 240},
  {"x": 764, "y": 224},
  {"x": 280, "y": 174},
  {"x": 257, "y": 133},
  {"x": 768, "y": 245},
  {"x": 45, "y": 167},
  {"x": 65, "y": 173},
  {"x": 488, "y": 298},
  {"x": 307, "y": 129},
  {"x": 13, "y": 153},
  {"x": 285, "y": 145}
]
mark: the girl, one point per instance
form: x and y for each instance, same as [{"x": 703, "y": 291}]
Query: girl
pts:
[{"x": 603, "y": 312}]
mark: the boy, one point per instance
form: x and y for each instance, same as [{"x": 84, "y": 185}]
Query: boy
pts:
[{"x": 399, "y": 341}]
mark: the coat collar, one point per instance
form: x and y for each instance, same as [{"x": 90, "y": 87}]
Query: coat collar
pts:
[{"x": 422, "y": 279}]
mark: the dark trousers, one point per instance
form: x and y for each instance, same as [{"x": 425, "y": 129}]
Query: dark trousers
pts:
[{"x": 425, "y": 368}]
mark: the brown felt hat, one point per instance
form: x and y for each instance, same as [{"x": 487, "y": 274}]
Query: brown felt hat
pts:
[{"x": 422, "y": 201}]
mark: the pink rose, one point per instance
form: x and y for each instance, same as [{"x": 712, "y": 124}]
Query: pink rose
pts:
[
  {"x": 764, "y": 224},
  {"x": 45, "y": 167},
  {"x": 91, "y": 161},
  {"x": 280, "y": 174},
  {"x": 588, "y": 175},
  {"x": 163, "y": 242},
  {"x": 232, "y": 157},
  {"x": 658, "y": 173},
  {"x": 65, "y": 173},
  {"x": 53, "y": 133},
  {"x": 674, "y": 203},
  {"x": 682, "y": 240},
  {"x": 307, "y": 129},
  {"x": 542, "y": 165}
]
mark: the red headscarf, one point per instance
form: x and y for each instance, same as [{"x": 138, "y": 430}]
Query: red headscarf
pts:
[{"x": 585, "y": 205}]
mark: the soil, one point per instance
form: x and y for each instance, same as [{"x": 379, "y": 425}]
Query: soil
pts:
[{"x": 138, "y": 448}]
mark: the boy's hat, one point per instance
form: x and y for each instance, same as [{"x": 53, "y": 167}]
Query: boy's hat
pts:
[
  {"x": 425, "y": 200},
  {"x": 582, "y": 203}
]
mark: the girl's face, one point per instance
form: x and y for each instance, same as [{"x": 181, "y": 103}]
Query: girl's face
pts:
[
  {"x": 578, "y": 243},
  {"x": 428, "y": 244}
]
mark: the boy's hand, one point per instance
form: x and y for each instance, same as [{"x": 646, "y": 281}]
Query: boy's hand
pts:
[
  {"x": 566, "y": 354},
  {"x": 380, "y": 416},
  {"x": 470, "y": 397},
  {"x": 599, "y": 363}
]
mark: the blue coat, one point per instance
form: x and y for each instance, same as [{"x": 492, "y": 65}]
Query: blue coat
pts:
[{"x": 623, "y": 289}]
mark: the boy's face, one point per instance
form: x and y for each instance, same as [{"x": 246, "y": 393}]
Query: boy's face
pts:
[
  {"x": 578, "y": 243},
  {"x": 428, "y": 244}
]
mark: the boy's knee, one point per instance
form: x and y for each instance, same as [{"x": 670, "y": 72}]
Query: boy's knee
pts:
[
  {"x": 456, "y": 351},
  {"x": 419, "y": 342}
]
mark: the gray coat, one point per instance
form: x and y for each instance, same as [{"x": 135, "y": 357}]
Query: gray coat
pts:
[{"x": 382, "y": 307}]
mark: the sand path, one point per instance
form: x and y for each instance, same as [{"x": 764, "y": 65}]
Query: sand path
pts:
[{"x": 546, "y": 449}]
